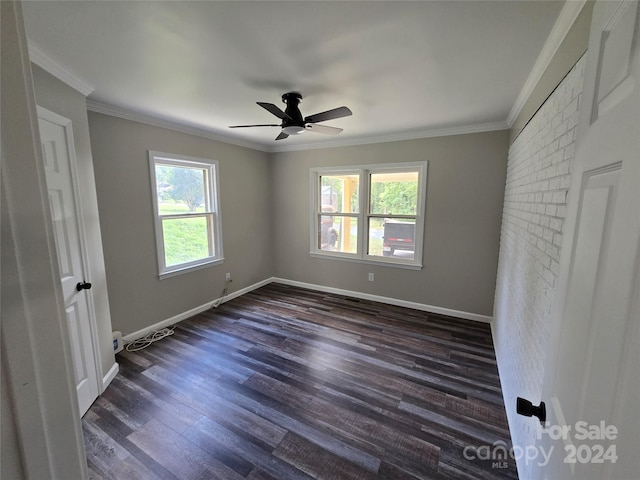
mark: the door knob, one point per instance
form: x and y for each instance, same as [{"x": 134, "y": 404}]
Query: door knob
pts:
[
  {"x": 526, "y": 408},
  {"x": 83, "y": 286}
]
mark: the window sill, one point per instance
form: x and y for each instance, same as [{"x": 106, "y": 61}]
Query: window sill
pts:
[
  {"x": 191, "y": 268},
  {"x": 368, "y": 260}
]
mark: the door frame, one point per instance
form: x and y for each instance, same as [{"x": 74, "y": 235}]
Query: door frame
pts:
[
  {"x": 66, "y": 124},
  {"x": 36, "y": 356}
]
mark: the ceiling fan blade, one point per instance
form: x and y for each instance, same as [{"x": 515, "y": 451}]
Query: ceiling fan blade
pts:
[
  {"x": 282, "y": 136},
  {"x": 261, "y": 125},
  {"x": 326, "y": 129},
  {"x": 329, "y": 115},
  {"x": 275, "y": 110}
]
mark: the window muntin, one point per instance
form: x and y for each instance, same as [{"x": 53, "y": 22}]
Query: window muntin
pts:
[
  {"x": 372, "y": 213},
  {"x": 186, "y": 212}
]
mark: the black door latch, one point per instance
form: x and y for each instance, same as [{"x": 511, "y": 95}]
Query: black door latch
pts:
[
  {"x": 526, "y": 408},
  {"x": 83, "y": 286}
]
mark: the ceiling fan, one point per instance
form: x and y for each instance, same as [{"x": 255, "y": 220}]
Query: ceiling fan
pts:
[{"x": 292, "y": 121}]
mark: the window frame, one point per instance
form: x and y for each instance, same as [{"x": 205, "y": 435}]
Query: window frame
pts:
[
  {"x": 364, "y": 214},
  {"x": 211, "y": 213}
]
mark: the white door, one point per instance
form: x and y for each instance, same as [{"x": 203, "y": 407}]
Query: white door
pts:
[
  {"x": 592, "y": 384},
  {"x": 59, "y": 160}
]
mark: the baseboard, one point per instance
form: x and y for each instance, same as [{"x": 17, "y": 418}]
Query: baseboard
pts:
[
  {"x": 190, "y": 313},
  {"x": 111, "y": 374},
  {"x": 391, "y": 301},
  {"x": 349, "y": 293}
]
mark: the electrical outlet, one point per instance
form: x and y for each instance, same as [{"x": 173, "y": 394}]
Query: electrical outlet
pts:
[
  {"x": 227, "y": 277},
  {"x": 370, "y": 277}
]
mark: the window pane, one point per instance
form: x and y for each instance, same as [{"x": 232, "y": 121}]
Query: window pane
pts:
[
  {"x": 186, "y": 239},
  {"x": 392, "y": 238},
  {"x": 339, "y": 193},
  {"x": 181, "y": 189},
  {"x": 394, "y": 193},
  {"x": 338, "y": 234}
]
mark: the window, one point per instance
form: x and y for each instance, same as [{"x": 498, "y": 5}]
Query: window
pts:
[
  {"x": 373, "y": 213},
  {"x": 186, "y": 210}
]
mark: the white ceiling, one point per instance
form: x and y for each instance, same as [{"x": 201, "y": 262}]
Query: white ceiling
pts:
[{"x": 403, "y": 68}]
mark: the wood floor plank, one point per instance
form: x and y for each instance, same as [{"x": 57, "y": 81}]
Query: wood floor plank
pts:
[
  {"x": 289, "y": 383},
  {"x": 110, "y": 459},
  {"x": 317, "y": 462},
  {"x": 175, "y": 415},
  {"x": 257, "y": 474},
  {"x": 349, "y": 424},
  {"x": 211, "y": 435},
  {"x": 178, "y": 455},
  {"x": 257, "y": 428}
]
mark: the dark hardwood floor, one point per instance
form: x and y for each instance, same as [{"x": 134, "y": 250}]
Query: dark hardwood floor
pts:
[{"x": 287, "y": 383}]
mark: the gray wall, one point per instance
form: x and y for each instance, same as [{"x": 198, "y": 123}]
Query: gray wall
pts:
[
  {"x": 138, "y": 298},
  {"x": 265, "y": 217},
  {"x": 56, "y": 96},
  {"x": 465, "y": 189}
]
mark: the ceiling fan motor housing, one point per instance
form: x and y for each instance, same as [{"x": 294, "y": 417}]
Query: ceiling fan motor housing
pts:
[{"x": 292, "y": 99}]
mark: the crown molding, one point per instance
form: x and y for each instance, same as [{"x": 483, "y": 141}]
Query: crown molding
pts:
[
  {"x": 45, "y": 62},
  {"x": 564, "y": 22},
  {"x": 107, "y": 109},
  {"x": 395, "y": 137},
  {"x": 127, "y": 114}
]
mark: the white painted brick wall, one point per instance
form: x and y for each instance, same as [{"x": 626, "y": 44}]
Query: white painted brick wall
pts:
[{"x": 538, "y": 178}]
